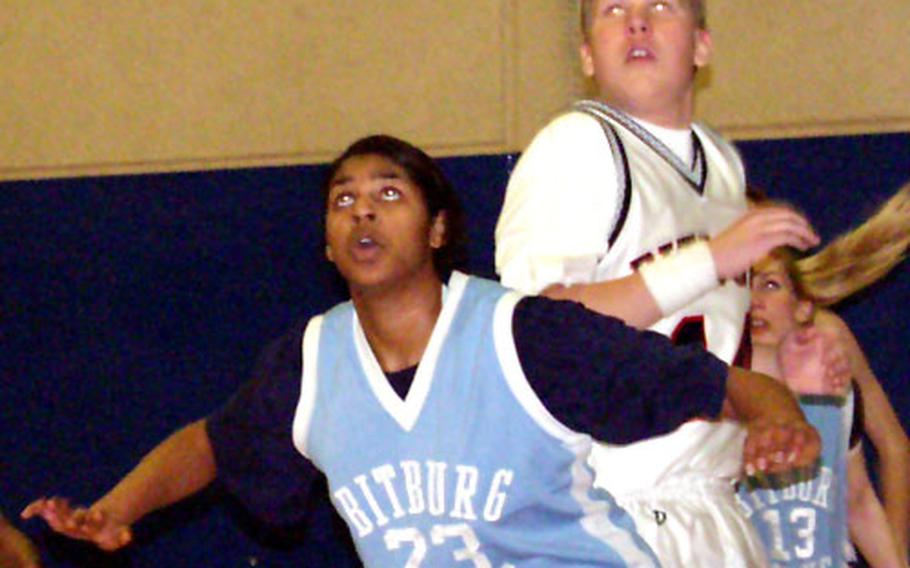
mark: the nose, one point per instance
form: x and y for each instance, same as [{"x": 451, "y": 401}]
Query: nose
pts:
[
  {"x": 363, "y": 210},
  {"x": 637, "y": 22},
  {"x": 756, "y": 301}
]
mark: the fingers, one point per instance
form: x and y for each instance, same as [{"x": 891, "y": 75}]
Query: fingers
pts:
[
  {"x": 79, "y": 522},
  {"x": 56, "y": 512},
  {"x": 838, "y": 371},
  {"x": 802, "y": 363},
  {"x": 780, "y": 226},
  {"x": 756, "y": 234},
  {"x": 775, "y": 448},
  {"x": 764, "y": 451},
  {"x": 815, "y": 361}
]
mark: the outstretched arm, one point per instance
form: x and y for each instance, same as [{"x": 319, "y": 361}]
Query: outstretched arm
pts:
[
  {"x": 626, "y": 298},
  {"x": 672, "y": 281},
  {"x": 16, "y": 550},
  {"x": 869, "y": 528},
  {"x": 884, "y": 429},
  {"x": 180, "y": 466}
]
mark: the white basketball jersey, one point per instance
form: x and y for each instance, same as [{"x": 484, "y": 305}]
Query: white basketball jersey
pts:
[{"x": 667, "y": 203}]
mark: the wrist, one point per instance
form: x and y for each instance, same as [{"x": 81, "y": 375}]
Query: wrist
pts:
[
  {"x": 116, "y": 509},
  {"x": 678, "y": 278}
]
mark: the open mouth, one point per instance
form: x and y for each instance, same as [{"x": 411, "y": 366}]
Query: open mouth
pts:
[
  {"x": 365, "y": 247},
  {"x": 639, "y": 54}
]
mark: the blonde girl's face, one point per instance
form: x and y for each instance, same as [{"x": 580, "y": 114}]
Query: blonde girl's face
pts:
[{"x": 776, "y": 309}]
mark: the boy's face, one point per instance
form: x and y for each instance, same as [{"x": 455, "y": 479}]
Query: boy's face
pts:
[{"x": 642, "y": 55}]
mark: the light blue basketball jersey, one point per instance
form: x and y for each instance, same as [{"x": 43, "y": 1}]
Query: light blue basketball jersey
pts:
[
  {"x": 470, "y": 469},
  {"x": 804, "y": 524}
]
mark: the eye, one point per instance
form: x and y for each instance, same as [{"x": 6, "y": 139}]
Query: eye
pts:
[
  {"x": 764, "y": 282},
  {"x": 390, "y": 193},
  {"x": 660, "y": 6},
  {"x": 343, "y": 200},
  {"x": 612, "y": 9}
]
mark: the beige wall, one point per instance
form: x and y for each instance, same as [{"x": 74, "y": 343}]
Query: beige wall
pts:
[
  {"x": 786, "y": 68},
  {"x": 137, "y": 86}
]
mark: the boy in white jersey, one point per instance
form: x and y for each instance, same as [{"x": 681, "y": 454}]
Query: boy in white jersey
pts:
[{"x": 627, "y": 206}]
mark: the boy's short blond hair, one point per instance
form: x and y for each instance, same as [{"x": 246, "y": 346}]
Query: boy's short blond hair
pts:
[{"x": 698, "y": 8}]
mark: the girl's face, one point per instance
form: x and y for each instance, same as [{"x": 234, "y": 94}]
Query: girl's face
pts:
[
  {"x": 776, "y": 309},
  {"x": 378, "y": 229}
]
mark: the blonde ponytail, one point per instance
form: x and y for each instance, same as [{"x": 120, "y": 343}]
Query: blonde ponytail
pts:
[{"x": 858, "y": 258}]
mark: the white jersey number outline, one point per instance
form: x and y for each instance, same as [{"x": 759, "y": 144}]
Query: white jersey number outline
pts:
[
  {"x": 395, "y": 538},
  {"x": 806, "y": 533}
]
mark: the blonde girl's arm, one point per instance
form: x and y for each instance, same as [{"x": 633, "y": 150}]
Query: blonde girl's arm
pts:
[
  {"x": 869, "y": 528},
  {"x": 884, "y": 430}
]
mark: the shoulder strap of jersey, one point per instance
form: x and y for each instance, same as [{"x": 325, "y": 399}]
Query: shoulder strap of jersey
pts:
[{"x": 621, "y": 167}]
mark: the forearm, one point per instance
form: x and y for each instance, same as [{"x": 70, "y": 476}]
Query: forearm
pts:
[
  {"x": 894, "y": 473},
  {"x": 625, "y": 298},
  {"x": 871, "y": 535},
  {"x": 893, "y": 449},
  {"x": 884, "y": 429},
  {"x": 753, "y": 396},
  {"x": 180, "y": 466},
  {"x": 868, "y": 524}
]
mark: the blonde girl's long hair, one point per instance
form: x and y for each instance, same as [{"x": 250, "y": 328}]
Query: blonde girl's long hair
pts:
[{"x": 859, "y": 257}]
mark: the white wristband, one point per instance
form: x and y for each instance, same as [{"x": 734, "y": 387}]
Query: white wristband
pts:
[{"x": 680, "y": 277}]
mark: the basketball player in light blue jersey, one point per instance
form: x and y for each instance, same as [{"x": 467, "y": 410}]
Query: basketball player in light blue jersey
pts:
[
  {"x": 451, "y": 416},
  {"x": 805, "y": 522}
]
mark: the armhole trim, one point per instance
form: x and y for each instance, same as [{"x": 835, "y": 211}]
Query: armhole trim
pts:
[
  {"x": 623, "y": 180},
  {"x": 308, "y": 382},
  {"x": 515, "y": 376},
  {"x": 620, "y": 166}
]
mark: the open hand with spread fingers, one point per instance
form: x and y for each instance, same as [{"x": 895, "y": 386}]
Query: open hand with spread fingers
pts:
[
  {"x": 814, "y": 360},
  {"x": 90, "y": 524},
  {"x": 755, "y": 234}
]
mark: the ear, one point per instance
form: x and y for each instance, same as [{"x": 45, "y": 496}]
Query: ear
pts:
[
  {"x": 438, "y": 230},
  {"x": 805, "y": 310},
  {"x": 587, "y": 59},
  {"x": 704, "y": 47},
  {"x": 328, "y": 254}
]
